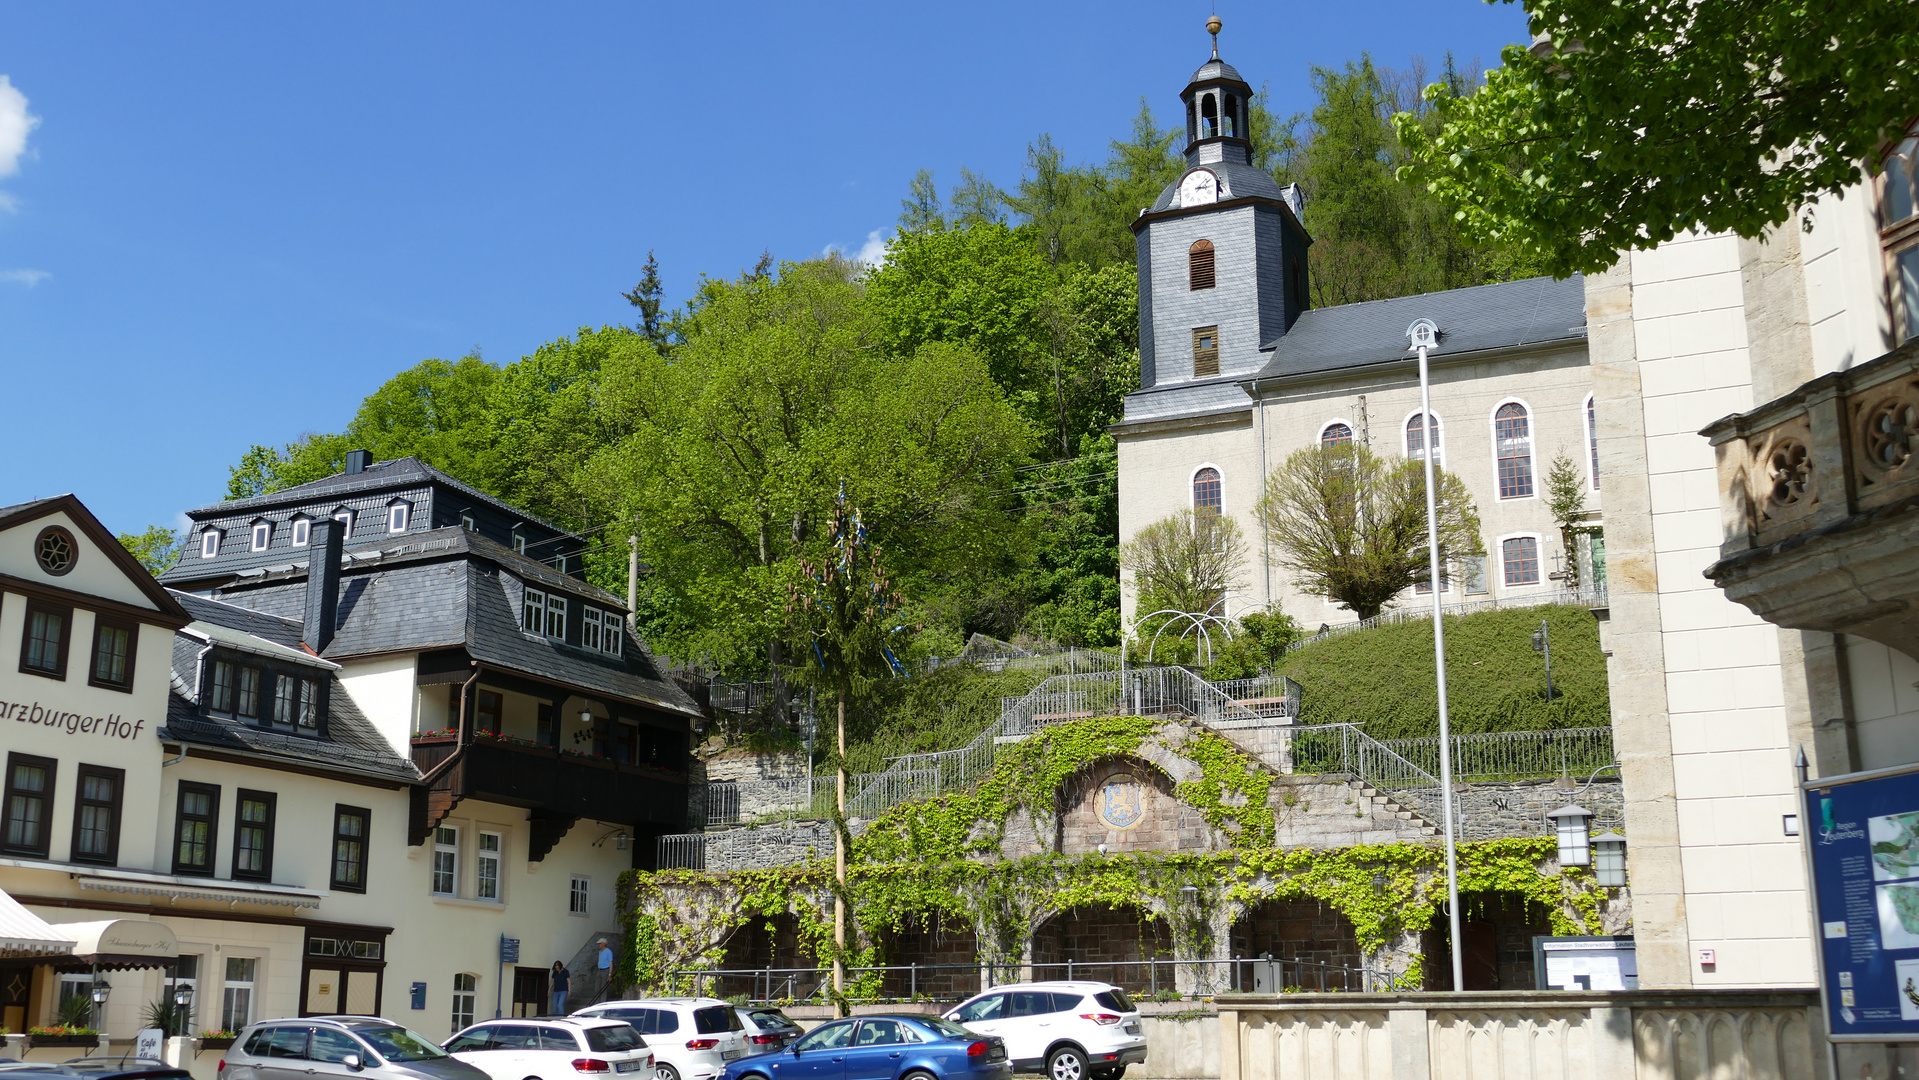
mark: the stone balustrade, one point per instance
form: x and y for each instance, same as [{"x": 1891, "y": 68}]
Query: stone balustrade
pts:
[
  {"x": 1819, "y": 497},
  {"x": 1533, "y": 1035}
]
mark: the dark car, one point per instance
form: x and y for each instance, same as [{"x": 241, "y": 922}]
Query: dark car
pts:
[
  {"x": 767, "y": 1028},
  {"x": 886, "y": 1045},
  {"x": 97, "y": 1068}
]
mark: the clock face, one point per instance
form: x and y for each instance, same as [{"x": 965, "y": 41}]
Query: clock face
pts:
[{"x": 1199, "y": 188}]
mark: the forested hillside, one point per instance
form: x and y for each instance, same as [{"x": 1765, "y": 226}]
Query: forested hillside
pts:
[{"x": 960, "y": 390}]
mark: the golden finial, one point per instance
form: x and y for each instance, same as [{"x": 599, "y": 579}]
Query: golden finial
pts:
[{"x": 1212, "y": 27}]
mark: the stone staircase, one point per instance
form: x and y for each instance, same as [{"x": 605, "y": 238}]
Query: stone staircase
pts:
[{"x": 1366, "y": 793}]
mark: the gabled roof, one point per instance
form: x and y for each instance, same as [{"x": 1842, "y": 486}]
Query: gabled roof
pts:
[
  {"x": 166, "y": 607},
  {"x": 1237, "y": 181},
  {"x": 1509, "y": 314},
  {"x": 380, "y": 474}
]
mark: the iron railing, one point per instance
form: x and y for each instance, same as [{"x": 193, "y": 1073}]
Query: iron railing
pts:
[
  {"x": 1155, "y": 691},
  {"x": 995, "y": 655},
  {"x": 1344, "y": 748},
  {"x": 955, "y": 982},
  {"x": 737, "y": 802},
  {"x": 1591, "y": 596},
  {"x": 1514, "y": 755},
  {"x": 1271, "y": 696}
]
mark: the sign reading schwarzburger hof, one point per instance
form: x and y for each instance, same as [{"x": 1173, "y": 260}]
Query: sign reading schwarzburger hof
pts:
[{"x": 1862, "y": 832}]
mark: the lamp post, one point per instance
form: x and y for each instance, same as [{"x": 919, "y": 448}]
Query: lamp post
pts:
[
  {"x": 182, "y": 997},
  {"x": 1542, "y": 643},
  {"x": 101, "y": 988},
  {"x": 1424, "y": 334}
]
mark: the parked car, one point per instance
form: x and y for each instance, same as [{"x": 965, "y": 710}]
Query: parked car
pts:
[
  {"x": 767, "y": 1028},
  {"x": 554, "y": 1048},
  {"x": 886, "y": 1045},
  {"x": 338, "y": 1048},
  {"x": 691, "y": 1038},
  {"x": 1065, "y": 1030},
  {"x": 126, "y": 1067}
]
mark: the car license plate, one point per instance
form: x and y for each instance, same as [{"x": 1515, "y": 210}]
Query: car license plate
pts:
[
  {"x": 630, "y": 1066},
  {"x": 731, "y": 1054},
  {"x": 1132, "y": 1027}
]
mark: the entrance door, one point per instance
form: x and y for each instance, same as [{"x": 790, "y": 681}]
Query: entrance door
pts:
[
  {"x": 529, "y": 992},
  {"x": 1480, "y": 963},
  {"x": 15, "y": 984},
  {"x": 324, "y": 991}
]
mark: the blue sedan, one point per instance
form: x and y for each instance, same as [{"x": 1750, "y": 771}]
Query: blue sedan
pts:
[{"x": 896, "y": 1046}]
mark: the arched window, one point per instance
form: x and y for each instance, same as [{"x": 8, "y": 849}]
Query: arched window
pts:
[
  {"x": 1199, "y": 265},
  {"x": 1206, "y": 493},
  {"x": 1226, "y": 119},
  {"x": 1899, "y": 230},
  {"x": 1592, "y": 442},
  {"x": 1336, "y": 434},
  {"x": 1519, "y": 560},
  {"x": 1419, "y": 436},
  {"x": 1513, "y": 440},
  {"x": 1208, "y": 116}
]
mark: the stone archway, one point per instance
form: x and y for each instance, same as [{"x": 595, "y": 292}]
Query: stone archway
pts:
[
  {"x": 941, "y": 955},
  {"x": 767, "y": 954},
  {"x": 1315, "y": 947},
  {"x": 1122, "y": 946},
  {"x": 1497, "y": 929}
]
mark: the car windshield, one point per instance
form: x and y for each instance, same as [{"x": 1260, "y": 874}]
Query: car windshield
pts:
[
  {"x": 943, "y": 1027},
  {"x": 613, "y": 1039},
  {"x": 396, "y": 1043}
]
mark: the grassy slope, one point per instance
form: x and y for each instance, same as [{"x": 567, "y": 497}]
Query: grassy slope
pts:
[
  {"x": 940, "y": 711},
  {"x": 1383, "y": 678}
]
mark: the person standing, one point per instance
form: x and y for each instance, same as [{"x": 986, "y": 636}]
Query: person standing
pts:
[
  {"x": 562, "y": 981},
  {"x": 603, "y": 971}
]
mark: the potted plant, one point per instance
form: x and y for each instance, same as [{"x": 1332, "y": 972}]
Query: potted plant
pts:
[
  {"x": 61, "y": 1035},
  {"x": 217, "y": 1040}
]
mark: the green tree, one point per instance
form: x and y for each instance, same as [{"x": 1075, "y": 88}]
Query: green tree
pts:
[
  {"x": 157, "y": 548},
  {"x": 920, "y": 211},
  {"x": 975, "y": 201},
  {"x": 1186, "y": 562},
  {"x": 1566, "y": 501},
  {"x": 648, "y": 296},
  {"x": 1352, "y": 524},
  {"x": 725, "y": 455},
  {"x": 1632, "y": 123},
  {"x": 263, "y": 469}
]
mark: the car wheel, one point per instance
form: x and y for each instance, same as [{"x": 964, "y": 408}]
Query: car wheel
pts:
[
  {"x": 1113, "y": 1073},
  {"x": 919, "y": 1075},
  {"x": 666, "y": 1072},
  {"x": 1066, "y": 1063}
]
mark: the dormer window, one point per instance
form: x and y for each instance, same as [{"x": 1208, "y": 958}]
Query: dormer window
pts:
[
  {"x": 262, "y": 536},
  {"x": 397, "y": 514},
  {"x": 302, "y": 529},
  {"x": 590, "y": 628},
  {"x": 467, "y": 523},
  {"x": 345, "y": 518},
  {"x": 519, "y": 541},
  {"x": 209, "y": 543},
  {"x": 612, "y": 633}
]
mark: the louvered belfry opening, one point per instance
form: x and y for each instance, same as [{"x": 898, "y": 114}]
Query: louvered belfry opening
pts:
[{"x": 1199, "y": 263}]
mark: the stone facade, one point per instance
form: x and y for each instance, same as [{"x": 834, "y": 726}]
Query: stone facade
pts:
[
  {"x": 768, "y": 845},
  {"x": 1494, "y": 811},
  {"x": 1296, "y": 930}
]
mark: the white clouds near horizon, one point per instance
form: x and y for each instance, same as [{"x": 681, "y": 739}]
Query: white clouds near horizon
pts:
[
  {"x": 15, "y": 123},
  {"x": 29, "y": 278}
]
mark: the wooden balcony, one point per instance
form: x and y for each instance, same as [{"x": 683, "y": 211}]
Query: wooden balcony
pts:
[
  {"x": 557, "y": 788},
  {"x": 1819, "y": 495}
]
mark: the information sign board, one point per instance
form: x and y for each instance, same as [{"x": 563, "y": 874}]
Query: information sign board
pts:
[
  {"x": 509, "y": 950},
  {"x": 1862, "y": 837},
  {"x": 1585, "y": 963}
]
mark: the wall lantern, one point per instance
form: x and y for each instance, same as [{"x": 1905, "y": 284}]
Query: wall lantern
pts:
[
  {"x": 586, "y": 717},
  {"x": 1609, "y": 858},
  {"x": 101, "y": 988},
  {"x": 1575, "y": 847}
]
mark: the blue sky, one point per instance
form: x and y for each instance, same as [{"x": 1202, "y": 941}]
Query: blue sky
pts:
[{"x": 228, "y": 223}]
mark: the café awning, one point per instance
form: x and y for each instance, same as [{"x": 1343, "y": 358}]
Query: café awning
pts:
[
  {"x": 22, "y": 933},
  {"x": 121, "y": 943}
]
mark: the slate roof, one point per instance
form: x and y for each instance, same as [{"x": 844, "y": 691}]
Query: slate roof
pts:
[
  {"x": 1532, "y": 311},
  {"x": 273, "y": 628},
  {"x": 377, "y": 476},
  {"x": 351, "y": 743},
  {"x": 449, "y": 589},
  {"x": 1216, "y": 69},
  {"x": 1239, "y": 181}
]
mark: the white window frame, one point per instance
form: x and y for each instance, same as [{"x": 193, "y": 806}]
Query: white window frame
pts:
[
  {"x": 1319, "y": 438},
  {"x": 467, "y": 522},
  {"x": 398, "y": 515},
  {"x": 301, "y": 531},
  {"x": 466, "y": 986},
  {"x": 228, "y": 986},
  {"x": 589, "y": 628},
  {"x": 260, "y": 536},
  {"x": 1539, "y": 550},
  {"x": 210, "y": 540},
  {"x": 1193, "y": 478},
  {"x": 579, "y": 896},
  {"x": 556, "y": 612},
  {"x": 1532, "y": 448},
  {"x": 345, "y": 518},
  {"x": 519, "y": 541},
  {"x": 1589, "y": 415},
  {"x": 1437, "y": 429},
  {"x": 486, "y": 861},
  {"x": 612, "y": 633},
  {"x": 533, "y": 610},
  {"x": 445, "y": 867}
]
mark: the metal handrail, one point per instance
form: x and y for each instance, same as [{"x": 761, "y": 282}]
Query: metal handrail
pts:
[
  {"x": 1344, "y": 748},
  {"x": 1514, "y": 755}
]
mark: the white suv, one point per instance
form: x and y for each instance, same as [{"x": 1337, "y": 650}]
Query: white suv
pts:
[
  {"x": 554, "y": 1049},
  {"x": 691, "y": 1038},
  {"x": 1064, "y": 1030}
]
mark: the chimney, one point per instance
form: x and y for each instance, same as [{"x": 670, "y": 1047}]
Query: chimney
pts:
[
  {"x": 357, "y": 461},
  {"x": 323, "y": 581}
]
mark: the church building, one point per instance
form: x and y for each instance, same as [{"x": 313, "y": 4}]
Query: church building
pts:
[{"x": 1237, "y": 372}]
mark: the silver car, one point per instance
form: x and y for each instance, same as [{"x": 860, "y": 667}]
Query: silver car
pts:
[{"x": 339, "y": 1048}]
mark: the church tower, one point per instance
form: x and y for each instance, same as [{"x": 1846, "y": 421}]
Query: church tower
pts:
[{"x": 1222, "y": 255}]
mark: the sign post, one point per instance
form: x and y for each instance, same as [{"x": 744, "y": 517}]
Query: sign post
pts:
[
  {"x": 509, "y": 954},
  {"x": 1861, "y": 833}
]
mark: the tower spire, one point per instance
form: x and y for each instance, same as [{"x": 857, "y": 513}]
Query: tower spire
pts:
[{"x": 1212, "y": 27}]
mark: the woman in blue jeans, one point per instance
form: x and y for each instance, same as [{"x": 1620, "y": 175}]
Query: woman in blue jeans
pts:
[{"x": 561, "y": 982}]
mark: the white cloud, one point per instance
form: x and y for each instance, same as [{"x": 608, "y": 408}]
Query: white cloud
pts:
[
  {"x": 873, "y": 252},
  {"x": 15, "y": 123},
  {"x": 29, "y": 278}
]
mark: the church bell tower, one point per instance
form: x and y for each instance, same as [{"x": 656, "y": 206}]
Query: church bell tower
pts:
[{"x": 1222, "y": 254}]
